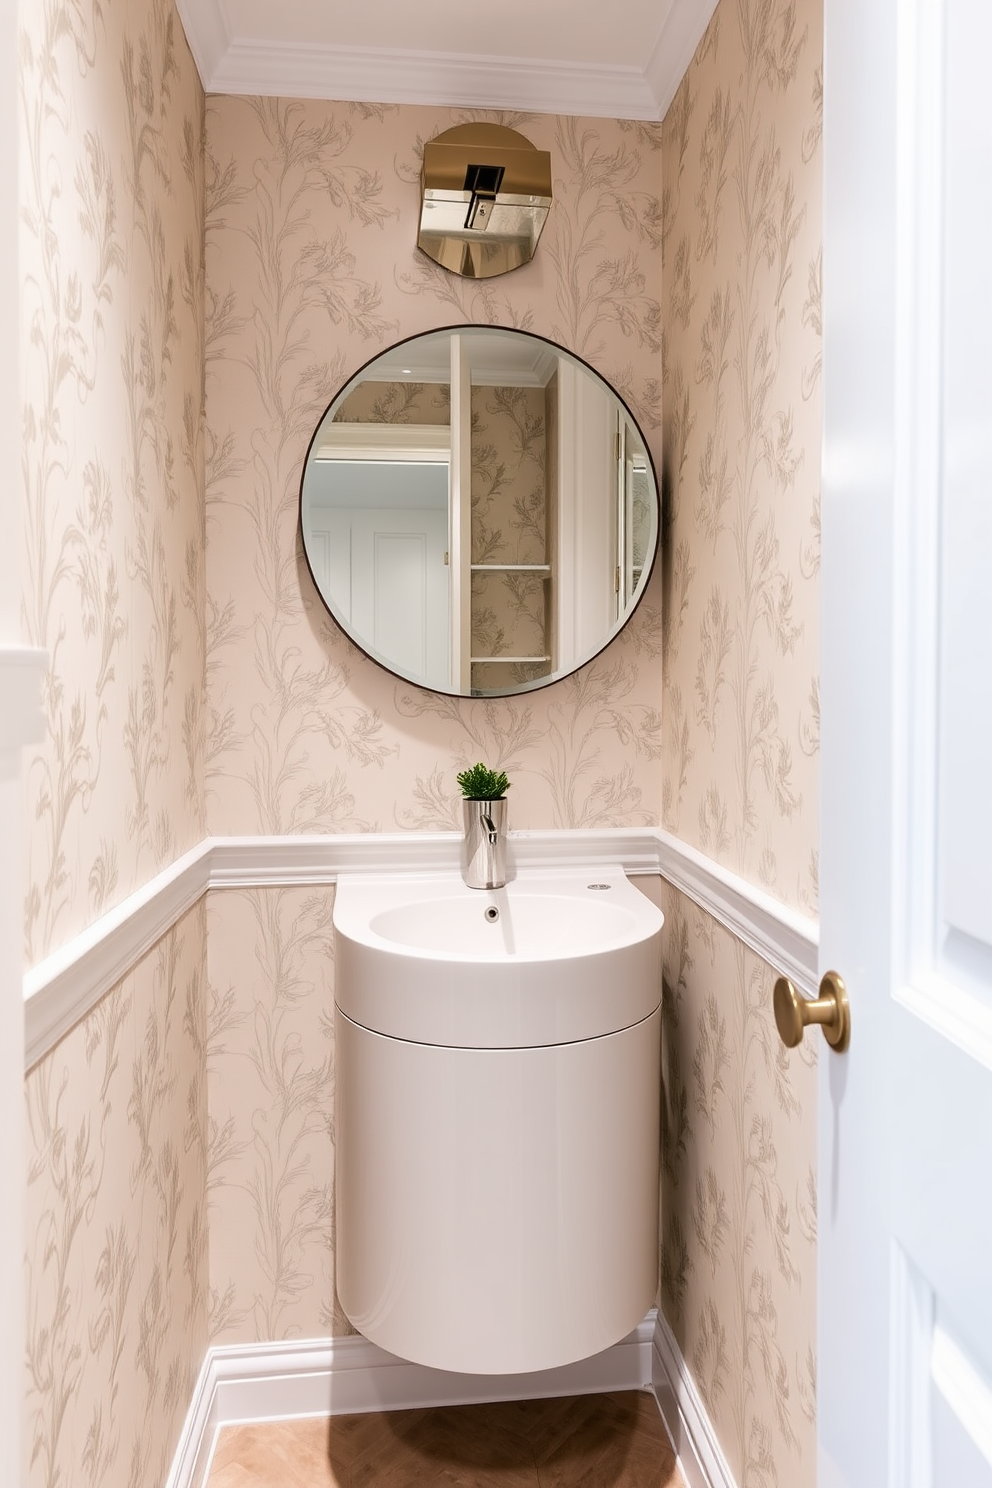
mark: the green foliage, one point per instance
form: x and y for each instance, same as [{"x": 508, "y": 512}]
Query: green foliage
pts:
[{"x": 482, "y": 784}]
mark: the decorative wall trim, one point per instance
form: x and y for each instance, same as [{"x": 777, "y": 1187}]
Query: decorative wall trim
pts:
[
  {"x": 207, "y": 33},
  {"x": 445, "y": 79},
  {"x": 62, "y": 989},
  {"x": 251, "y": 862},
  {"x": 682, "y": 29},
  {"x": 343, "y": 1376},
  {"x": 700, "y": 1457},
  {"x": 786, "y": 939},
  {"x": 271, "y": 66},
  {"x": 21, "y": 719}
]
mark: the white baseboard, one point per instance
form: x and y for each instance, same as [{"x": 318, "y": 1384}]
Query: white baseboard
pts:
[
  {"x": 60, "y": 991},
  {"x": 349, "y": 1376},
  {"x": 700, "y": 1456}
]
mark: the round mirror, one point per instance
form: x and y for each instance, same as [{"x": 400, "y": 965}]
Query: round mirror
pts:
[{"x": 479, "y": 511}]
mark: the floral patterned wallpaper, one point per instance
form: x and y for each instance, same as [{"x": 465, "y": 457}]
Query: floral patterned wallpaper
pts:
[
  {"x": 396, "y": 403},
  {"x": 113, "y": 583},
  {"x": 312, "y": 269},
  {"x": 738, "y": 1264},
  {"x": 742, "y": 225},
  {"x": 111, "y": 126},
  {"x": 743, "y": 236},
  {"x": 117, "y": 1276},
  {"x": 270, "y": 1063}
]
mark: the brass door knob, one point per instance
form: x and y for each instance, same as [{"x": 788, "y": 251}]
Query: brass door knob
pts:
[{"x": 831, "y": 1010}]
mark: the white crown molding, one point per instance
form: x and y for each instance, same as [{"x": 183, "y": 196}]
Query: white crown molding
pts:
[
  {"x": 270, "y": 66},
  {"x": 208, "y": 33},
  {"x": 349, "y": 1376},
  {"x": 61, "y": 990},
  {"x": 682, "y": 29},
  {"x": 442, "y": 79},
  {"x": 21, "y": 718},
  {"x": 700, "y": 1456}
]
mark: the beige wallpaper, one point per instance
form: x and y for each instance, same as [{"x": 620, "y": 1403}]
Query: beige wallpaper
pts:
[
  {"x": 742, "y": 219},
  {"x": 111, "y": 114},
  {"x": 311, "y": 269},
  {"x": 741, "y": 163},
  {"x": 738, "y": 1266},
  {"x": 396, "y": 403},
  {"x": 270, "y": 1061},
  {"x": 116, "y": 1228},
  {"x": 112, "y": 307}
]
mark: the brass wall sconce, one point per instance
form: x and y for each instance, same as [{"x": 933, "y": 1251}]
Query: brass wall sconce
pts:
[{"x": 485, "y": 197}]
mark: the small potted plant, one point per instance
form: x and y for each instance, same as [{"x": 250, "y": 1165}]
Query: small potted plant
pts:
[
  {"x": 484, "y": 814},
  {"x": 482, "y": 784}
]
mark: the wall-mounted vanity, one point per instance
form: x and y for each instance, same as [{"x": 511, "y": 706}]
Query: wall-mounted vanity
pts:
[
  {"x": 497, "y": 1107},
  {"x": 479, "y": 511}
]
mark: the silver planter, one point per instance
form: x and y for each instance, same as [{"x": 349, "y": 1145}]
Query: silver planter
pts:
[{"x": 484, "y": 844}]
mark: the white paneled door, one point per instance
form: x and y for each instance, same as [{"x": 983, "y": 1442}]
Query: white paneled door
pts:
[
  {"x": 905, "y": 1185},
  {"x": 387, "y": 572}
]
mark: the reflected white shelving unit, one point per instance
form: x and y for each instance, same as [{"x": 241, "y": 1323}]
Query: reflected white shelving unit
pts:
[{"x": 542, "y": 569}]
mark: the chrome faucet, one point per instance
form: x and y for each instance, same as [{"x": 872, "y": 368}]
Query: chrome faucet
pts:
[{"x": 484, "y": 844}]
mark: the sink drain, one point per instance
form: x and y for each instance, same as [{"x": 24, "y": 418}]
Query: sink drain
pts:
[{"x": 492, "y": 914}]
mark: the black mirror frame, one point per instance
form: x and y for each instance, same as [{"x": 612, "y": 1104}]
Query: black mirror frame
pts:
[{"x": 539, "y": 683}]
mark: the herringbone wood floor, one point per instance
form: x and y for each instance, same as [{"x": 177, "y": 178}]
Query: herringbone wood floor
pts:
[{"x": 584, "y": 1441}]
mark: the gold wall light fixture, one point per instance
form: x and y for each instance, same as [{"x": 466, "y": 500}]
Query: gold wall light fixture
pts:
[{"x": 484, "y": 199}]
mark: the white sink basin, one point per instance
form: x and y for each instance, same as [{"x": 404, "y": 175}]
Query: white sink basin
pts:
[
  {"x": 550, "y": 958},
  {"x": 537, "y": 921}
]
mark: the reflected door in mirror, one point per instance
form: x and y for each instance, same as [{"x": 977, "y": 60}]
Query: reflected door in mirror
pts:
[{"x": 390, "y": 572}]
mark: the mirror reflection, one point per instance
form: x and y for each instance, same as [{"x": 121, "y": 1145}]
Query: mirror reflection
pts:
[{"x": 479, "y": 511}]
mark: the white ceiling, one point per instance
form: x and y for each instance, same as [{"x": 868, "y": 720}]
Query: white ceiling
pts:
[{"x": 611, "y": 58}]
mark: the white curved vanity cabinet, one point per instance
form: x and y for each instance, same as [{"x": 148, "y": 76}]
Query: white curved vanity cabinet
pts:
[{"x": 497, "y": 1116}]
